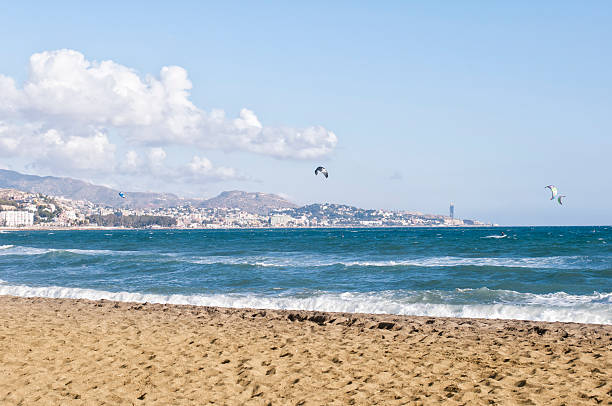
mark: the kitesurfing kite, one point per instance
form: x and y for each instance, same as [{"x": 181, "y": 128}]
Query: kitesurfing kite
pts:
[
  {"x": 123, "y": 196},
  {"x": 553, "y": 191},
  {"x": 321, "y": 170},
  {"x": 559, "y": 199}
]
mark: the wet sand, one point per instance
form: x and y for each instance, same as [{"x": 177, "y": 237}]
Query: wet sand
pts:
[{"x": 64, "y": 351}]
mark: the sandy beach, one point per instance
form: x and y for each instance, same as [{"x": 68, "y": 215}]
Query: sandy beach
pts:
[{"x": 64, "y": 351}]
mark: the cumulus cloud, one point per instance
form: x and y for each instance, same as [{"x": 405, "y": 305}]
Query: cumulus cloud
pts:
[
  {"x": 83, "y": 118},
  {"x": 55, "y": 149},
  {"x": 132, "y": 161},
  {"x": 202, "y": 167},
  {"x": 10, "y": 97},
  {"x": 73, "y": 155},
  {"x": 156, "y": 156},
  {"x": 67, "y": 92},
  {"x": 86, "y": 153},
  {"x": 9, "y": 139},
  {"x": 198, "y": 170}
]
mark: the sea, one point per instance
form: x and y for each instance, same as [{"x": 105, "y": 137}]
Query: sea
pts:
[{"x": 531, "y": 273}]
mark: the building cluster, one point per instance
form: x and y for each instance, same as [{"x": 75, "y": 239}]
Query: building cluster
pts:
[
  {"x": 16, "y": 218},
  {"x": 336, "y": 215},
  {"x": 19, "y": 209},
  {"x": 22, "y": 209}
]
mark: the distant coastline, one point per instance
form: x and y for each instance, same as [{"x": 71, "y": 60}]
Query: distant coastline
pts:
[
  {"x": 90, "y": 228},
  {"x": 45, "y": 202},
  {"x": 229, "y": 210}
]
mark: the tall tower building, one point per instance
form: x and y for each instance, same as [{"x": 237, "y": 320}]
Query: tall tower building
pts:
[{"x": 452, "y": 211}]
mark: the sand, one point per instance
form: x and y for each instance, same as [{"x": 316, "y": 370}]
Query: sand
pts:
[{"x": 64, "y": 351}]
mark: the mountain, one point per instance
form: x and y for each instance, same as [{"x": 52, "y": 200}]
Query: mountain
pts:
[
  {"x": 260, "y": 203},
  {"x": 79, "y": 190},
  {"x": 252, "y": 202}
]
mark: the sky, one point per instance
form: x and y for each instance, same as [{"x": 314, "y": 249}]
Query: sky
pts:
[{"x": 409, "y": 105}]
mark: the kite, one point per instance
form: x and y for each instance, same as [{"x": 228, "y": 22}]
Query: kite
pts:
[{"x": 321, "y": 170}]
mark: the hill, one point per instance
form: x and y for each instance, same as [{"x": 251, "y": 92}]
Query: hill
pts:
[
  {"x": 79, "y": 190},
  {"x": 252, "y": 202}
]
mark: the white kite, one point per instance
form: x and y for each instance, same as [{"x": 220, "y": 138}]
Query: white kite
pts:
[{"x": 553, "y": 191}]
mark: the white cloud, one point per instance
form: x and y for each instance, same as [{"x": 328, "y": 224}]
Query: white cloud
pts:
[
  {"x": 247, "y": 120},
  {"x": 156, "y": 156},
  {"x": 95, "y": 155},
  {"x": 84, "y": 118},
  {"x": 10, "y": 97},
  {"x": 54, "y": 149},
  {"x": 9, "y": 139},
  {"x": 85, "y": 153},
  {"x": 132, "y": 161},
  {"x": 67, "y": 92},
  {"x": 202, "y": 167}
]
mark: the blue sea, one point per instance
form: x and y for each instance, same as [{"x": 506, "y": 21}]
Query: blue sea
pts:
[{"x": 533, "y": 273}]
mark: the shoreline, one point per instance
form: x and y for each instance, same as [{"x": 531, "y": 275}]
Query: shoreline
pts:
[
  {"x": 78, "y": 228},
  {"x": 316, "y": 316},
  {"x": 75, "y": 351},
  {"x": 356, "y": 227}
]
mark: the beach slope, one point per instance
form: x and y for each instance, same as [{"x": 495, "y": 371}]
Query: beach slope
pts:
[{"x": 65, "y": 351}]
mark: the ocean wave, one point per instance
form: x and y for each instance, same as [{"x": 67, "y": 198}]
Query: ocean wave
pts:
[
  {"x": 595, "y": 308},
  {"x": 23, "y": 250},
  {"x": 557, "y": 299},
  {"x": 315, "y": 260},
  {"x": 555, "y": 262},
  {"x": 19, "y": 250},
  {"x": 101, "y": 252}
]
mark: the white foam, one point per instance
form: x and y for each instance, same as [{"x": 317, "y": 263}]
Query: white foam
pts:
[
  {"x": 101, "y": 252},
  {"x": 313, "y": 261},
  {"x": 555, "y": 262},
  {"x": 22, "y": 250},
  {"x": 555, "y": 299},
  {"x": 18, "y": 250},
  {"x": 596, "y": 308}
]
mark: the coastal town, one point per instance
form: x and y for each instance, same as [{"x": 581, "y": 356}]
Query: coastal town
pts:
[{"x": 35, "y": 210}]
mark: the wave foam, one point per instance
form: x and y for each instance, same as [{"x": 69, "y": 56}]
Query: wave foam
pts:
[
  {"x": 596, "y": 308},
  {"x": 314, "y": 261},
  {"x": 23, "y": 250},
  {"x": 555, "y": 262}
]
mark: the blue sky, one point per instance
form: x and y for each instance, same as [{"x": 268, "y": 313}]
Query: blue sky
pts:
[{"x": 478, "y": 103}]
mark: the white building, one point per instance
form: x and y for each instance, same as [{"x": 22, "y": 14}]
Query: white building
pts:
[
  {"x": 371, "y": 223},
  {"x": 16, "y": 218},
  {"x": 279, "y": 220}
]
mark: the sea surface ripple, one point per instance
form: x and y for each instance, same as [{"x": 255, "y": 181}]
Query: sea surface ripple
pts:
[{"x": 534, "y": 273}]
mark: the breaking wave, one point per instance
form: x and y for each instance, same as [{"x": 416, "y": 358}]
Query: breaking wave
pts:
[
  {"x": 495, "y": 304},
  {"x": 555, "y": 262},
  {"x": 23, "y": 251}
]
